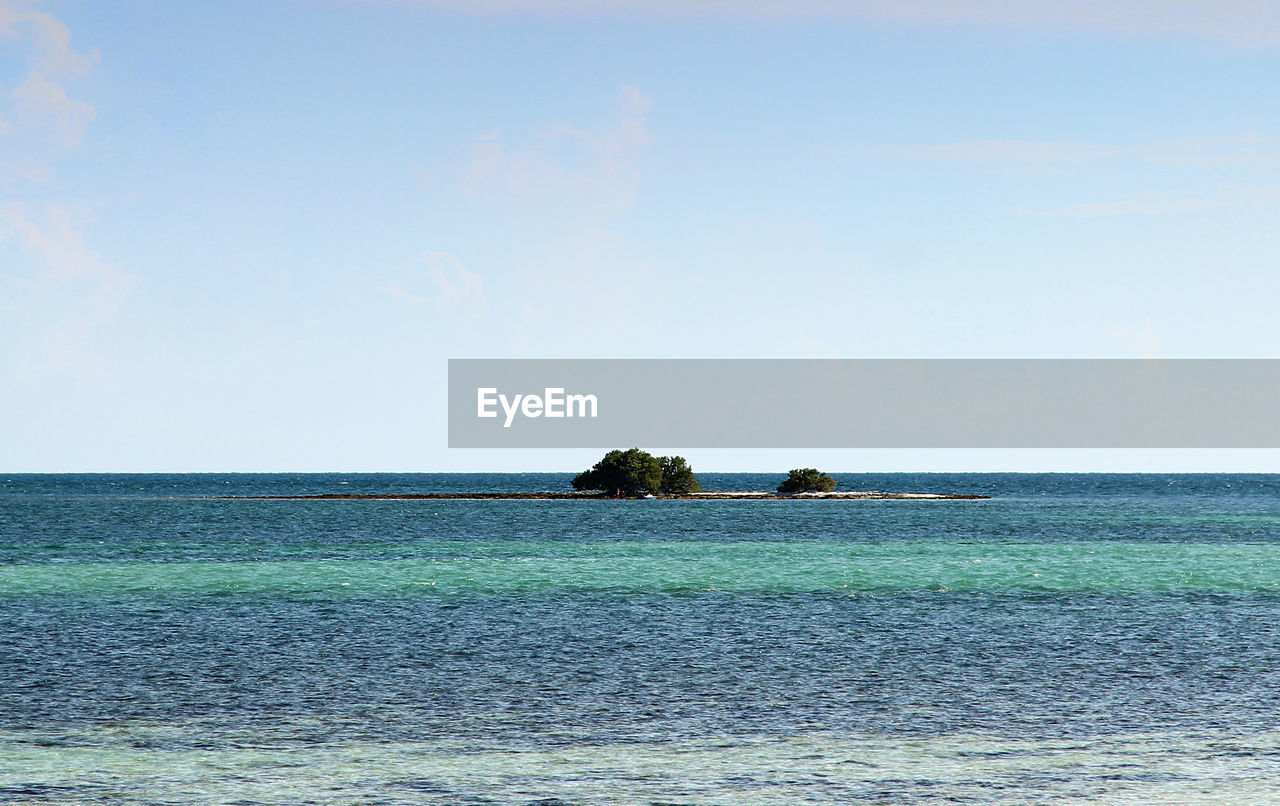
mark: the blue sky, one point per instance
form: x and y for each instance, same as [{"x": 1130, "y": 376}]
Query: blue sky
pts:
[{"x": 248, "y": 235}]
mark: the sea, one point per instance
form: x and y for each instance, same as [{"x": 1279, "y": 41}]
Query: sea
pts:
[{"x": 1073, "y": 639}]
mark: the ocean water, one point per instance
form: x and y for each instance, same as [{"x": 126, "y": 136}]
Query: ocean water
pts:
[{"x": 1075, "y": 639}]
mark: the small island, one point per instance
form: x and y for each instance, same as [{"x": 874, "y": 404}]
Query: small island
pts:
[{"x": 635, "y": 474}]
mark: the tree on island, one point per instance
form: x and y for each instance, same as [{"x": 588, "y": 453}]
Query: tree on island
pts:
[
  {"x": 677, "y": 476},
  {"x": 807, "y": 480},
  {"x": 636, "y": 472}
]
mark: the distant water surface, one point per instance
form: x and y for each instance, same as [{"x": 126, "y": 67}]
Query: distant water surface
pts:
[{"x": 1077, "y": 638}]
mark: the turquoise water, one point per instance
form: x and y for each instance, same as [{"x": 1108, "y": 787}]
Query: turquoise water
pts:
[{"x": 1075, "y": 639}]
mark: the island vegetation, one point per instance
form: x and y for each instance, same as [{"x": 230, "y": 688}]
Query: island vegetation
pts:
[
  {"x": 635, "y": 472},
  {"x": 807, "y": 480}
]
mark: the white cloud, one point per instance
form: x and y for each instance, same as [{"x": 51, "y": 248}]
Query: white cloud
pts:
[
  {"x": 1152, "y": 204},
  {"x": 1013, "y": 152},
  {"x": 41, "y": 102},
  {"x": 552, "y": 195},
  {"x": 595, "y": 168},
  {"x": 1140, "y": 205},
  {"x": 51, "y": 235},
  {"x": 29, "y": 173},
  {"x": 67, "y": 291},
  {"x": 1250, "y": 23},
  {"x": 456, "y": 285},
  {"x": 51, "y": 41},
  {"x": 8, "y": 20},
  {"x": 1248, "y": 149},
  {"x": 452, "y": 285},
  {"x": 72, "y": 291},
  {"x": 1244, "y": 156},
  {"x": 1238, "y": 149},
  {"x": 1141, "y": 340}
]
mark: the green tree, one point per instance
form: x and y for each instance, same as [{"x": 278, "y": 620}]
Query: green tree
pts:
[
  {"x": 677, "y": 476},
  {"x": 629, "y": 472},
  {"x": 807, "y": 480}
]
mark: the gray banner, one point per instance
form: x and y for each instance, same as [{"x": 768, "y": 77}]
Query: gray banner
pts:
[{"x": 996, "y": 403}]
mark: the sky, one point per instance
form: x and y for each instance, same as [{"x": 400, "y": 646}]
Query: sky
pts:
[{"x": 247, "y": 236}]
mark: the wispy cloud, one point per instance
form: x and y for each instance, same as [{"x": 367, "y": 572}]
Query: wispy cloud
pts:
[
  {"x": 455, "y": 285},
  {"x": 61, "y": 290},
  {"x": 1246, "y": 148},
  {"x": 440, "y": 280},
  {"x": 1152, "y": 204},
  {"x": 1249, "y": 23},
  {"x": 77, "y": 289},
  {"x": 1141, "y": 340},
  {"x": 1245, "y": 157},
  {"x": 555, "y": 193},
  {"x": 48, "y": 38},
  {"x": 49, "y": 233},
  {"x": 1139, "y": 205},
  {"x": 599, "y": 167},
  {"x": 39, "y": 100},
  {"x": 1006, "y": 152}
]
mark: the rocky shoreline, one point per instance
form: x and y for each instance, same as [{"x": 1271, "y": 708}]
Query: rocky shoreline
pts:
[{"x": 755, "y": 495}]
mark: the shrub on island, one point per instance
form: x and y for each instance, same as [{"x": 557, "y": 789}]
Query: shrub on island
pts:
[
  {"x": 807, "y": 480},
  {"x": 636, "y": 472}
]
